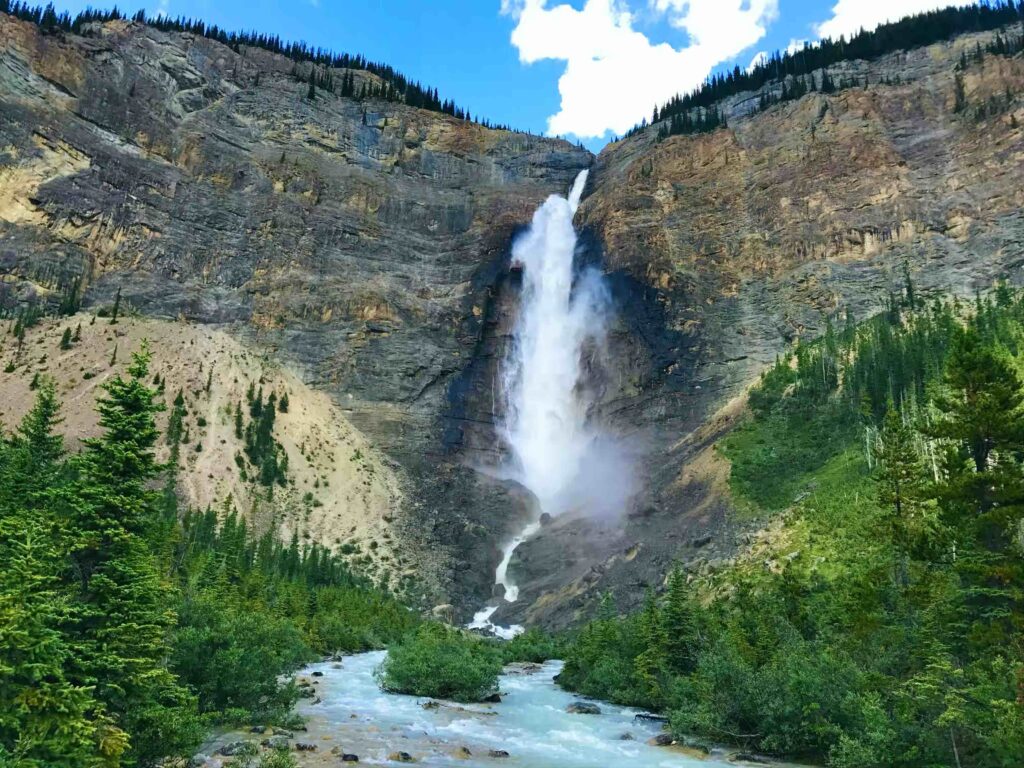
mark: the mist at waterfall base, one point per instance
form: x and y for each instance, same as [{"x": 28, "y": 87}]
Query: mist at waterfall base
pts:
[{"x": 549, "y": 384}]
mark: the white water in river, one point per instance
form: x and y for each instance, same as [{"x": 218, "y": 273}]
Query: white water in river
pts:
[{"x": 530, "y": 723}]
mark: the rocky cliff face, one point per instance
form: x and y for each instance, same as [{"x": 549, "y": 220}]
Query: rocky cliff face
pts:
[
  {"x": 365, "y": 246},
  {"x": 725, "y": 247},
  {"x": 356, "y": 242}
]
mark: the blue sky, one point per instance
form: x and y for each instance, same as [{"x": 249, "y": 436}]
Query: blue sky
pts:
[{"x": 582, "y": 68}]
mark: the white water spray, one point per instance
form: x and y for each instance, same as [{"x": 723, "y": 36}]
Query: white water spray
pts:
[{"x": 558, "y": 453}]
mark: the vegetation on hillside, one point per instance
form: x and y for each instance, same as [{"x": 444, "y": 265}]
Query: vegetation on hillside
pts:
[
  {"x": 698, "y": 111},
  {"x": 883, "y": 625},
  {"x": 126, "y": 628}
]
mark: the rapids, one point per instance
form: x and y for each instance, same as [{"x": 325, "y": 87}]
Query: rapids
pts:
[{"x": 530, "y": 723}]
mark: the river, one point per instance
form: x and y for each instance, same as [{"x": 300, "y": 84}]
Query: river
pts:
[{"x": 531, "y": 724}]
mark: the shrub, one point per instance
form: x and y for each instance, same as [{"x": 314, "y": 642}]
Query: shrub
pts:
[{"x": 443, "y": 663}]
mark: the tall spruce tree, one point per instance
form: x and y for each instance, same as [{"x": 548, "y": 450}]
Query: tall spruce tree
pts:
[{"x": 124, "y": 606}]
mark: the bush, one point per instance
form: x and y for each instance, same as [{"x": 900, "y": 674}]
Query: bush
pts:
[
  {"x": 442, "y": 663},
  {"x": 533, "y": 645}
]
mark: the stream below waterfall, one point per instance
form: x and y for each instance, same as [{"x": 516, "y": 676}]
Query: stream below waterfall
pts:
[{"x": 531, "y": 724}]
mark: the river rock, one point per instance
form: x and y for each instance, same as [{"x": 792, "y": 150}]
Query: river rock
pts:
[
  {"x": 647, "y": 717},
  {"x": 401, "y": 757},
  {"x": 234, "y": 748},
  {"x": 303, "y": 746},
  {"x": 583, "y": 708},
  {"x": 284, "y": 732},
  {"x": 494, "y": 698},
  {"x": 627, "y": 736},
  {"x": 349, "y": 758},
  {"x": 258, "y": 729},
  {"x": 497, "y": 753},
  {"x": 317, "y": 673},
  {"x": 661, "y": 740},
  {"x": 276, "y": 742},
  {"x": 747, "y": 757},
  {"x": 463, "y": 753}
]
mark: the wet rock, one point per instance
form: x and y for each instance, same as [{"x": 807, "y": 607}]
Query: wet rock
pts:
[
  {"x": 523, "y": 668},
  {"x": 276, "y": 742},
  {"x": 627, "y": 736},
  {"x": 463, "y": 753},
  {"x": 401, "y": 757},
  {"x": 498, "y": 592},
  {"x": 583, "y": 708},
  {"x": 648, "y": 717},
  {"x": 234, "y": 748},
  {"x": 494, "y": 698},
  {"x": 204, "y": 761},
  {"x": 661, "y": 740},
  {"x": 497, "y": 753},
  {"x": 258, "y": 729},
  {"x": 349, "y": 758},
  {"x": 747, "y": 757},
  {"x": 545, "y": 519},
  {"x": 701, "y": 541},
  {"x": 303, "y": 746},
  {"x": 317, "y": 673},
  {"x": 284, "y": 732}
]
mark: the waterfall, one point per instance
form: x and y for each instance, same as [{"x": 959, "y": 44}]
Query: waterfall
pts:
[{"x": 556, "y": 452}]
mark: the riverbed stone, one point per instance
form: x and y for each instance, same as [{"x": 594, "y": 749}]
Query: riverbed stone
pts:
[
  {"x": 276, "y": 742},
  {"x": 583, "y": 708},
  {"x": 234, "y": 748},
  {"x": 661, "y": 740},
  {"x": 498, "y": 753},
  {"x": 401, "y": 757}
]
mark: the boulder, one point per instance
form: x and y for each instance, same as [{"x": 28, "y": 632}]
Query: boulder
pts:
[
  {"x": 401, "y": 757},
  {"x": 303, "y": 746},
  {"x": 661, "y": 740},
  {"x": 233, "y": 748},
  {"x": 349, "y": 758},
  {"x": 463, "y": 753},
  {"x": 583, "y": 708},
  {"x": 627, "y": 736},
  {"x": 747, "y": 757},
  {"x": 318, "y": 673},
  {"x": 276, "y": 742},
  {"x": 497, "y": 753},
  {"x": 258, "y": 729},
  {"x": 494, "y": 698}
]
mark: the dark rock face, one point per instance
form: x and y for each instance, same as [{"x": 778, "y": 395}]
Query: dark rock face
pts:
[
  {"x": 360, "y": 243},
  {"x": 366, "y": 246}
]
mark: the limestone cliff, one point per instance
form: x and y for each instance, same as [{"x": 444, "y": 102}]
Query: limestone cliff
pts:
[
  {"x": 363, "y": 246},
  {"x": 724, "y": 247},
  {"x": 355, "y": 242}
]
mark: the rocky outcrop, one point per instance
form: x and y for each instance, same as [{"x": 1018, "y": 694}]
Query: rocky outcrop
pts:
[
  {"x": 364, "y": 246},
  {"x": 722, "y": 248},
  {"x": 357, "y": 242}
]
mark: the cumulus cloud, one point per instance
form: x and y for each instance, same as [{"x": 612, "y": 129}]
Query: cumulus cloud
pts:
[
  {"x": 850, "y": 16},
  {"x": 615, "y": 74}
]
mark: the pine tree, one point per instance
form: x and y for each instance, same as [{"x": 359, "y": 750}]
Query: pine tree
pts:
[
  {"x": 900, "y": 488},
  {"x": 65, "y": 340},
  {"x": 682, "y": 637},
  {"x": 117, "y": 307},
  {"x": 121, "y": 643},
  {"x": 651, "y": 663}
]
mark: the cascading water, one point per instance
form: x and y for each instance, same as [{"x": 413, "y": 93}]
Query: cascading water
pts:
[{"x": 557, "y": 453}]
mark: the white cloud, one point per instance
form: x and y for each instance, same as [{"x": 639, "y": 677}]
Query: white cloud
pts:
[
  {"x": 614, "y": 74},
  {"x": 850, "y": 16}
]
